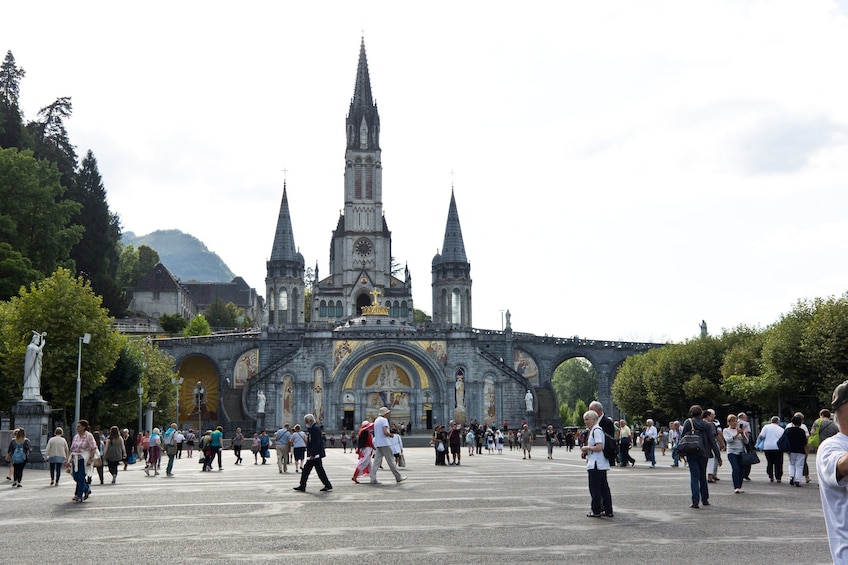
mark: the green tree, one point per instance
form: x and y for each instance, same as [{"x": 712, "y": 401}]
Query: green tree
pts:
[
  {"x": 198, "y": 326},
  {"x": 50, "y": 138},
  {"x": 580, "y": 408},
  {"x": 218, "y": 315},
  {"x": 34, "y": 219},
  {"x": 65, "y": 307},
  {"x": 575, "y": 379},
  {"x": 565, "y": 415},
  {"x": 15, "y": 271},
  {"x": 11, "y": 121},
  {"x": 141, "y": 363},
  {"x": 97, "y": 253},
  {"x": 173, "y": 323},
  {"x": 824, "y": 346},
  {"x": 421, "y": 317}
]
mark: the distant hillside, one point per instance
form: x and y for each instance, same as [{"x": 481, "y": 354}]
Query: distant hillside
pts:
[{"x": 184, "y": 255}]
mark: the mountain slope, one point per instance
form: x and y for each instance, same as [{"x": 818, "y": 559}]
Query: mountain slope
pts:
[{"x": 184, "y": 255}]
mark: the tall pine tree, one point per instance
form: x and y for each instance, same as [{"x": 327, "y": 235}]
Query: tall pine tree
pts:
[
  {"x": 11, "y": 121},
  {"x": 97, "y": 253}
]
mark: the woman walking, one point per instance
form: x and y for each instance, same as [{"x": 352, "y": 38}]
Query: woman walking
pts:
[
  {"x": 18, "y": 454},
  {"x": 299, "y": 447},
  {"x": 797, "y": 449},
  {"x": 736, "y": 441},
  {"x": 364, "y": 449},
  {"x": 238, "y": 440},
  {"x": 154, "y": 449},
  {"x": 698, "y": 461},
  {"x": 83, "y": 450},
  {"x": 115, "y": 452},
  {"x": 56, "y": 452},
  {"x": 189, "y": 441},
  {"x": 550, "y": 438}
]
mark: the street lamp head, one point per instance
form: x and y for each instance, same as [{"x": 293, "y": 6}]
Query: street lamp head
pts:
[{"x": 86, "y": 338}]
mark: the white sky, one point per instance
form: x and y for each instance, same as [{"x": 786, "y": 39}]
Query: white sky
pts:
[{"x": 623, "y": 170}]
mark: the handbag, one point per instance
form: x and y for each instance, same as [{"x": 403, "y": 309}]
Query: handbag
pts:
[
  {"x": 783, "y": 442},
  {"x": 440, "y": 447},
  {"x": 690, "y": 443},
  {"x": 749, "y": 458},
  {"x": 761, "y": 443}
]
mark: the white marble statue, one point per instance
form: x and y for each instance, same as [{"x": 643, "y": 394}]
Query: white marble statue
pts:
[
  {"x": 528, "y": 400},
  {"x": 32, "y": 366},
  {"x": 260, "y": 405}
]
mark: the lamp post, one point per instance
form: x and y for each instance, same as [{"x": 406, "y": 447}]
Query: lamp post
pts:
[
  {"x": 140, "y": 392},
  {"x": 86, "y": 339},
  {"x": 179, "y": 383}
]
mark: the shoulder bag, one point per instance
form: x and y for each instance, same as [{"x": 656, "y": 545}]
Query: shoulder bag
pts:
[{"x": 690, "y": 442}]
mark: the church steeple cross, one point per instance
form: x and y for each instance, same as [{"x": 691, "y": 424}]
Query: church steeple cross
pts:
[{"x": 375, "y": 293}]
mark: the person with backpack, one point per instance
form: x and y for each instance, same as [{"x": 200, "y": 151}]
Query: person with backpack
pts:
[
  {"x": 703, "y": 445},
  {"x": 17, "y": 455},
  {"x": 597, "y": 466}
]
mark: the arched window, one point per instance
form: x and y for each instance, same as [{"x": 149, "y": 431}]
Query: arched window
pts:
[
  {"x": 456, "y": 307},
  {"x": 339, "y": 309},
  {"x": 284, "y": 300},
  {"x": 322, "y": 309},
  {"x": 404, "y": 311}
]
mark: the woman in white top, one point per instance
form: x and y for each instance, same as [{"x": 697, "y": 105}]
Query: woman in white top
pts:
[
  {"x": 774, "y": 457},
  {"x": 736, "y": 440},
  {"x": 57, "y": 453},
  {"x": 597, "y": 465}
]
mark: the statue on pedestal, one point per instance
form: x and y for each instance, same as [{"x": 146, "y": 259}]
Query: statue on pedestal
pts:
[
  {"x": 32, "y": 366},
  {"x": 260, "y": 406},
  {"x": 528, "y": 400}
]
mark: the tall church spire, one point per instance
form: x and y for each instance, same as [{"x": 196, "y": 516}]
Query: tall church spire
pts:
[
  {"x": 284, "y": 283},
  {"x": 284, "y": 249},
  {"x": 453, "y": 247},
  {"x": 363, "y": 121}
]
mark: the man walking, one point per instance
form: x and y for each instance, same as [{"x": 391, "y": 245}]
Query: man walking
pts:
[
  {"x": 455, "y": 442},
  {"x": 649, "y": 442},
  {"x": 170, "y": 444},
  {"x": 281, "y": 441},
  {"x": 383, "y": 447},
  {"x": 314, "y": 455}
]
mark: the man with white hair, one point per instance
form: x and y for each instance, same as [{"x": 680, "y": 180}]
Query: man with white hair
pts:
[
  {"x": 832, "y": 469},
  {"x": 604, "y": 421},
  {"x": 314, "y": 456}
]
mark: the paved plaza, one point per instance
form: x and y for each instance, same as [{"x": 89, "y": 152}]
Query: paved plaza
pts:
[{"x": 492, "y": 509}]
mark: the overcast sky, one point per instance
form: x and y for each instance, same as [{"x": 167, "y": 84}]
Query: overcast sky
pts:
[{"x": 623, "y": 170}]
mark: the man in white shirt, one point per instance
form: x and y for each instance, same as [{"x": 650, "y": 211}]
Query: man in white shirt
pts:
[
  {"x": 832, "y": 469},
  {"x": 383, "y": 447}
]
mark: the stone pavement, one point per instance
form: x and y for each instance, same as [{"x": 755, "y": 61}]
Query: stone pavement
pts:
[{"x": 492, "y": 509}]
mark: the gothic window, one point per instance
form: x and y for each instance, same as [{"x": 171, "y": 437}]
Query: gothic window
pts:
[
  {"x": 396, "y": 309},
  {"x": 284, "y": 299},
  {"x": 339, "y": 309},
  {"x": 404, "y": 310},
  {"x": 322, "y": 309},
  {"x": 369, "y": 181},
  {"x": 456, "y": 307},
  {"x": 357, "y": 181}
]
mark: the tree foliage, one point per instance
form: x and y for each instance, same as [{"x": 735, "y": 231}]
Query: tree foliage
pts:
[
  {"x": 34, "y": 219},
  {"x": 66, "y": 308},
  {"x": 574, "y": 380},
  {"x": 11, "y": 121},
  {"x": 198, "y": 326},
  {"x": 172, "y": 323},
  {"x": 97, "y": 253},
  {"x": 134, "y": 263}
]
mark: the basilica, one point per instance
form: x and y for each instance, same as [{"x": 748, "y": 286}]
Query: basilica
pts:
[{"x": 361, "y": 348}]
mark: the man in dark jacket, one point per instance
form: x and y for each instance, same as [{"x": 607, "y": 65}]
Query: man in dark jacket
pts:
[
  {"x": 314, "y": 455},
  {"x": 698, "y": 462}
]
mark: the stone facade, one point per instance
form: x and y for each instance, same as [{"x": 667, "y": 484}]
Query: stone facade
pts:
[{"x": 361, "y": 350}]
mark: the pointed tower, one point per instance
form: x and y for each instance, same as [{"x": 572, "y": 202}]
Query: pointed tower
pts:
[
  {"x": 361, "y": 245},
  {"x": 452, "y": 276},
  {"x": 284, "y": 284}
]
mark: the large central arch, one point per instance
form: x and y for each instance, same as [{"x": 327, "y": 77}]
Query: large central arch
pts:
[{"x": 397, "y": 375}]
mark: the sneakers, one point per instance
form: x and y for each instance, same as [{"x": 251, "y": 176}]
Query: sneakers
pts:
[{"x": 400, "y": 480}]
